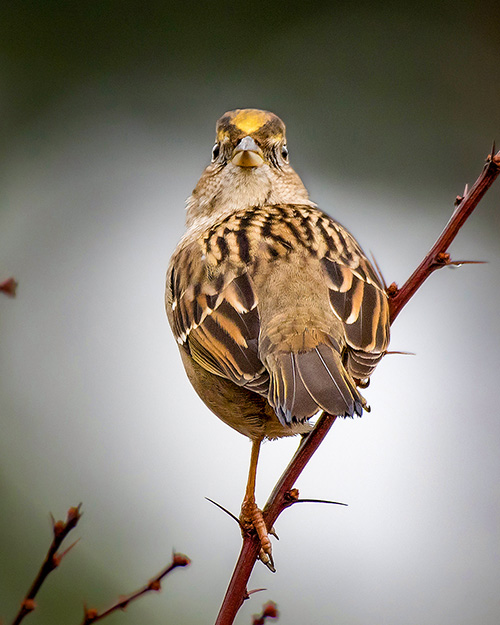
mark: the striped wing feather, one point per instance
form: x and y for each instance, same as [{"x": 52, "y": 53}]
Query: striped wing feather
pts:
[
  {"x": 217, "y": 322},
  {"x": 358, "y": 299}
]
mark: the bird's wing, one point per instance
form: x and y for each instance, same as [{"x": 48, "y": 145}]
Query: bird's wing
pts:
[
  {"x": 357, "y": 298},
  {"x": 213, "y": 308}
]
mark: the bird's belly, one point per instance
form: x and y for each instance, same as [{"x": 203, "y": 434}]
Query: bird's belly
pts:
[{"x": 244, "y": 411}]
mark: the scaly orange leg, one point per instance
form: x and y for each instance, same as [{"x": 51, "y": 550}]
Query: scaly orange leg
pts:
[{"x": 251, "y": 515}]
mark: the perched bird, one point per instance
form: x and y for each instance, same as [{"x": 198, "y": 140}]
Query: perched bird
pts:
[{"x": 276, "y": 309}]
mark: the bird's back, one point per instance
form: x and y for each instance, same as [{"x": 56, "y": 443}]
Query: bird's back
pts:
[{"x": 280, "y": 300}]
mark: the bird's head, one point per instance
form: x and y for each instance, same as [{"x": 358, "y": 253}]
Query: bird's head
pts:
[
  {"x": 250, "y": 138},
  {"x": 249, "y": 167}
]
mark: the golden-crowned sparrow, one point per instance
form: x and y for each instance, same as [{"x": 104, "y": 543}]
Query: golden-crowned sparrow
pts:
[{"x": 277, "y": 311}]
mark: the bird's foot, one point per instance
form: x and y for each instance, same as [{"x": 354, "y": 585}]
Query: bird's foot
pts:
[{"x": 251, "y": 519}]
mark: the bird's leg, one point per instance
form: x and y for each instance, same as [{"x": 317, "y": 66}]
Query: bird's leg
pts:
[{"x": 251, "y": 515}]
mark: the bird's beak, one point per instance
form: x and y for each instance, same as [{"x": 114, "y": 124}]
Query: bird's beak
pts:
[{"x": 247, "y": 154}]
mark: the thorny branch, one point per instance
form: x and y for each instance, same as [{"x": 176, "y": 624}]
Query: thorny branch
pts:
[
  {"x": 52, "y": 560},
  {"x": 282, "y": 495},
  {"x": 438, "y": 256},
  {"x": 92, "y": 615}
]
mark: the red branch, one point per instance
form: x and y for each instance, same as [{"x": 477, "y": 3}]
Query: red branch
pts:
[
  {"x": 438, "y": 256},
  {"x": 92, "y": 615},
  {"x": 52, "y": 560},
  {"x": 282, "y": 495},
  {"x": 277, "y": 502}
]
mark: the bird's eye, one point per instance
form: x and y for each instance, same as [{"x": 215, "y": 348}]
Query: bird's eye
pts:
[
  {"x": 284, "y": 152},
  {"x": 215, "y": 152}
]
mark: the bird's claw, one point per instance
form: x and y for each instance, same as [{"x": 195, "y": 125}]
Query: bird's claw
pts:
[
  {"x": 251, "y": 518},
  {"x": 267, "y": 559}
]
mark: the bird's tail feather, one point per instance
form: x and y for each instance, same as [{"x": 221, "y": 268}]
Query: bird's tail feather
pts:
[{"x": 303, "y": 383}]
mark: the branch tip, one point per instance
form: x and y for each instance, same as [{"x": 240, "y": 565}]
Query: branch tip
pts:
[
  {"x": 9, "y": 287},
  {"x": 179, "y": 559}
]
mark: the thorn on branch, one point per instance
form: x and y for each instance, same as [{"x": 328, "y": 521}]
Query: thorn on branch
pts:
[
  {"x": 335, "y": 503},
  {"x": 493, "y": 153},
  {"x": 233, "y": 516},
  {"x": 252, "y": 592},
  {"x": 60, "y": 556},
  {"x": 460, "y": 198},
  {"x": 443, "y": 259},
  {"x": 459, "y": 263}
]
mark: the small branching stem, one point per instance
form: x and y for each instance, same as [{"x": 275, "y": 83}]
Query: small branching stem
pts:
[{"x": 60, "y": 530}]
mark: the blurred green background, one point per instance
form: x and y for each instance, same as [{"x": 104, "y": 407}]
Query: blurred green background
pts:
[{"x": 108, "y": 112}]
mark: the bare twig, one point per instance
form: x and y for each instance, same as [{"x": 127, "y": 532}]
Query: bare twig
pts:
[
  {"x": 92, "y": 615},
  {"x": 282, "y": 495},
  {"x": 52, "y": 560},
  {"x": 438, "y": 256},
  {"x": 9, "y": 287}
]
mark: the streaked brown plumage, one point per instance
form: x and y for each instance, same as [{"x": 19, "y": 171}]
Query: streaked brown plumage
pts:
[{"x": 277, "y": 311}]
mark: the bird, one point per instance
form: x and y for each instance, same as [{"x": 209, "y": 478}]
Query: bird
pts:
[{"x": 277, "y": 311}]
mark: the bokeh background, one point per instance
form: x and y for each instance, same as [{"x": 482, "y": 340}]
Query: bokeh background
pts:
[{"x": 107, "y": 118}]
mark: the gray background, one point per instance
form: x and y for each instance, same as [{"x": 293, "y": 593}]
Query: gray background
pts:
[{"x": 107, "y": 117}]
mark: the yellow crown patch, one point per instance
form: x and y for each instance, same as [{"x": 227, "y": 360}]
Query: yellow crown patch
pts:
[
  {"x": 241, "y": 122},
  {"x": 250, "y": 120}
]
